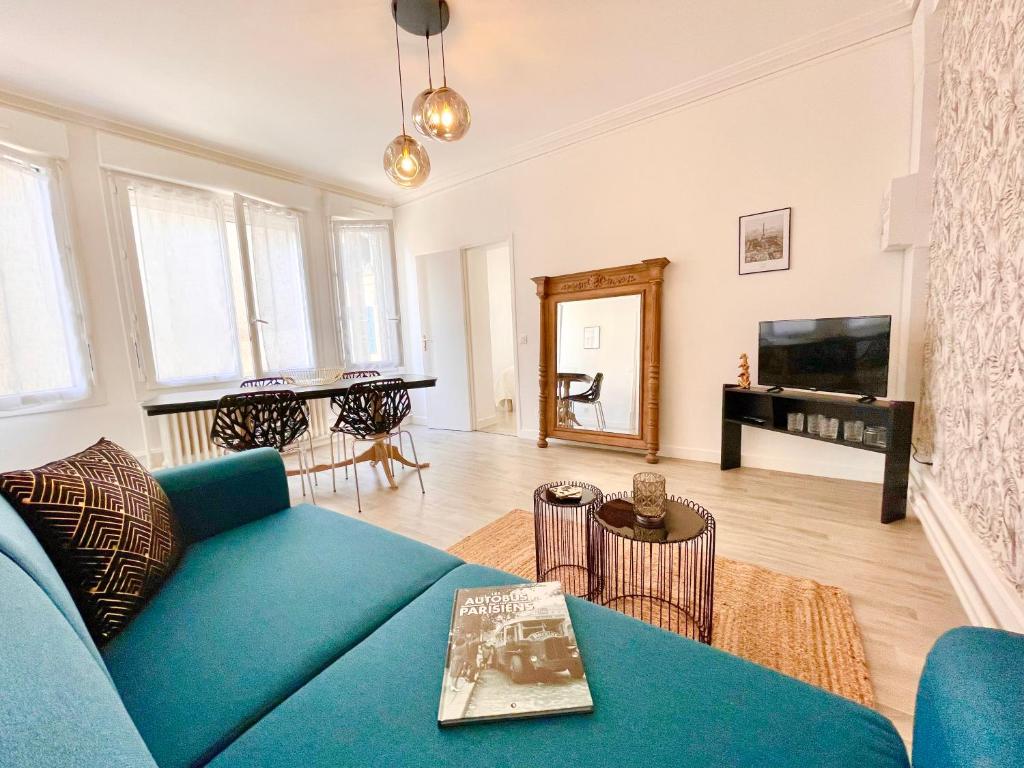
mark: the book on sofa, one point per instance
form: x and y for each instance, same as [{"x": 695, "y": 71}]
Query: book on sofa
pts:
[{"x": 512, "y": 653}]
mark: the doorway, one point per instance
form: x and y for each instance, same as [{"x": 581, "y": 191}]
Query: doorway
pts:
[{"x": 492, "y": 352}]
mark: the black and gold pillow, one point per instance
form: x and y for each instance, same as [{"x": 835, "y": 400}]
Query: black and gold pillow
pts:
[{"x": 106, "y": 524}]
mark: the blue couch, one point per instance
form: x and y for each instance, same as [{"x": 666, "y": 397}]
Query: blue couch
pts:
[{"x": 295, "y": 636}]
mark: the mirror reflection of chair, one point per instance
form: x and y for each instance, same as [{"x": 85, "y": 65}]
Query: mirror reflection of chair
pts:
[
  {"x": 373, "y": 411},
  {"x": 592, "y": 396},
  {"x": 336, "y": 405},
  {"x": 264, "y": 419}
]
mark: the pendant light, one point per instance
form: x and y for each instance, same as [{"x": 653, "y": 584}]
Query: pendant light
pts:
[
  {"x": 445, "y": 113},
  {"x": 421, "y": 97},
  {"x": 405, "y": 160}
]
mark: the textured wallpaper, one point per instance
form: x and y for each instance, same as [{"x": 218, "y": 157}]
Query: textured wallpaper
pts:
[{"x": 972, "y": 417}]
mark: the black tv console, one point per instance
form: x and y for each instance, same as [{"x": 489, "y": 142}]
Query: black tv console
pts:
[{"x": 759, "y": 408}]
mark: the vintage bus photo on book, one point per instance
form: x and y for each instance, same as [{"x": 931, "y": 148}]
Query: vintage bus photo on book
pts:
[{"x": 512, "y": 653}]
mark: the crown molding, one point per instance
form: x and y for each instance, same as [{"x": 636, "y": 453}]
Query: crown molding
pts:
[
  {"x": 167, "y": 141},
  {"x": 897, "y": 16}
]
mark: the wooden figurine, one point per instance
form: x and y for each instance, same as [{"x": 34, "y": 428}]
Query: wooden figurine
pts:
[{"x": 744, "y": 380}]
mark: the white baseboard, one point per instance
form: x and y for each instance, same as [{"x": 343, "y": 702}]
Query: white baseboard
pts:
[
  {"x": 987, "y": 596},
  {"x": 485, "y": 422},
  {"x": 792, "y": 465}
]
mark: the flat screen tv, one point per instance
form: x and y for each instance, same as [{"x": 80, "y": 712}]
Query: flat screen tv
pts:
[{"x": 835, "y": 354}]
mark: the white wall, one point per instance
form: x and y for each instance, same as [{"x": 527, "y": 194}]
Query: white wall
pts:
[
  {"x": 87, "y": 155},
  {"x": 824, "y": 138}
]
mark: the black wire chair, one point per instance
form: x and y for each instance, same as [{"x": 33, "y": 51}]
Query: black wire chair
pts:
[
  {"x": 277, "y": 381},
  {"x": 264, "y": 419},
  {"x": 592, "y": 396},
  {"x": 373, "y": 411},
  {"x": 266, "y": 381},
  {"x": 336, "y": 404}
]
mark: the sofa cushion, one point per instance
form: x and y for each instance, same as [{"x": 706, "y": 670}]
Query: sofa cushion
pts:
[
  {"x": 107, "y": 526},
  {"x": 970, "y": 703},
  {"x": 252, "y": 614},
  {"x": 659, "y": 700},
  {"x": 19, "y": 544},
  {"x": 58, "y": 708}
]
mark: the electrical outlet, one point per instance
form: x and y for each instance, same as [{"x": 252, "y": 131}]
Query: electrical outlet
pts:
[{"x": 522, "y": 338}]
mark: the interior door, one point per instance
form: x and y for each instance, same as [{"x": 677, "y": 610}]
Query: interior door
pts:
[{"x": 444, "y": 340}]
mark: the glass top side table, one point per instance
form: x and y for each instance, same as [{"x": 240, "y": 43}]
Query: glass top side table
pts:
[
  {"x": 664, "y": 576},
  {"x": 562, "y": 537}
]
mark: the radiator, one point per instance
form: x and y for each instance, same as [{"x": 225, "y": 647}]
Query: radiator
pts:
[{"x": 185, "y": 437}]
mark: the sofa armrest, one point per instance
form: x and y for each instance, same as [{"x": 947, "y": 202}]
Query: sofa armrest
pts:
[
  {"x": 970, "y": 702},
  {"x": 209, "y": 497}
]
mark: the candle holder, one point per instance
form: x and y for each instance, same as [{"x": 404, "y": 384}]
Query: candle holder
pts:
[{"x": 649, "y": 499}]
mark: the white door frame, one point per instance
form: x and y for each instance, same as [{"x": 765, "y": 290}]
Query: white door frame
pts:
[{"x": 509, "y": 241}]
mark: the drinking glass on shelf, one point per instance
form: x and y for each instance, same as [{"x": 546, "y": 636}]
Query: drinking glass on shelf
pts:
[
  {"x": 853, "y": 431},
  {"x": 812, "y": 423},
  {"x": 829, "y": 427},
  {"x": 795, "y": 421},
  {"x": 877, "y": 437}
]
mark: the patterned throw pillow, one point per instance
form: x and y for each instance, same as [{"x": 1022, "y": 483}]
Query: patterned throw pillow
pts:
[{"x": 106, "y": 524}]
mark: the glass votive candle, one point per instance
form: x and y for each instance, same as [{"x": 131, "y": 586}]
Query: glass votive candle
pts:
[
  {"x": 795, "y": 422},
  {"x": 829, "y": 427},
  {"x": 876, "y": 436},
  {"x": 853, "y": 431},
  {"x": 812, "y": 423},
  {"x": 649, "y": 499}
]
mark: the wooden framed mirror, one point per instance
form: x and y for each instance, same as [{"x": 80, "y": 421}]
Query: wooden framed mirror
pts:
[{"x": 600, "y": 356}]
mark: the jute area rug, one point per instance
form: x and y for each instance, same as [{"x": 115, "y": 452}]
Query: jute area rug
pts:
[{"x": 796, "y": 626}]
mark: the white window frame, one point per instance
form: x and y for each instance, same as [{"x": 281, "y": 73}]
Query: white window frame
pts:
[
  {"x": 238, "y": 203},
  {"x": 60, "y": 207},
  {"x": 130, "y": 280},
  {"x": 340, "y": 310}
]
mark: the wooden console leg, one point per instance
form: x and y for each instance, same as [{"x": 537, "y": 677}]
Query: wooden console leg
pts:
[{"x": 732, "y": 439}]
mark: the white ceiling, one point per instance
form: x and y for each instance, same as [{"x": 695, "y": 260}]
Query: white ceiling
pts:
[{"x": 311, "y": 85}]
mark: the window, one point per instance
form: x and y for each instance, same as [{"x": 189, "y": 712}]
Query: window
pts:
[
  {"x": 44, "y": 357},
  {"x": 221, "y": 280},
  {"x": 365, "y": 273},
  {"x": 275, "y": 257}
]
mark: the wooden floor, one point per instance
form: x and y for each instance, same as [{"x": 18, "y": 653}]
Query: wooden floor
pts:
[{"x": 823, "y": 529}]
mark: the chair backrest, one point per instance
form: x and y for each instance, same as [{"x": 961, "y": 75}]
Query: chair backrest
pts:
[
  {"x": 338, "y": 400},
  {"x": 593, "y": 393},
  {"x": 367, "y": 374},
  {"x": 374, "y": 407},
  {"x": 266, "y": 381},
  {"x": 262, "y": 419}
]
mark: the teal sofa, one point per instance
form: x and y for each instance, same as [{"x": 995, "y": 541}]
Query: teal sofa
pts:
[{"x": 295, "y": 636}]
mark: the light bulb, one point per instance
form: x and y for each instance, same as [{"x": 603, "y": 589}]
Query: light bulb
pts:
[
  {"x": 418, "y": 118},
  {"x": 446, "y": 115},
  {"x": 406, "y": 162}
]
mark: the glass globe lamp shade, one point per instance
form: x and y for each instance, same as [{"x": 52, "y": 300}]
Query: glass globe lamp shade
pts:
[
  {"x": 446, "y": 115},
  {"x": 406, "y": 162},
  {"x": 418, "y": 118}
]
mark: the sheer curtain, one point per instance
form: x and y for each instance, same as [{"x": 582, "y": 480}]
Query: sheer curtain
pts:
[
  {"x": 186, "y": 282},
  {"x": 274, "y": 238},
  {"x": 367, "y": 289},
  {"x": 42, "y": 349}
]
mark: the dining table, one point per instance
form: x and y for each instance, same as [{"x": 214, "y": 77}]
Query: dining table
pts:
[{"x": 205, "y": 399}]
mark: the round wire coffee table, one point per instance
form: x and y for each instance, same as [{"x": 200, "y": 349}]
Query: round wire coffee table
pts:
[
  {"x": 665, "y": 575},
  {"x": 562, "y": 537}
]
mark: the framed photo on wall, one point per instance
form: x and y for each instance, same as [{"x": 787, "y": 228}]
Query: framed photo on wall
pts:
[
  {"x": 592, "y": 337},
  {"x": 764, "y": 241}
]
